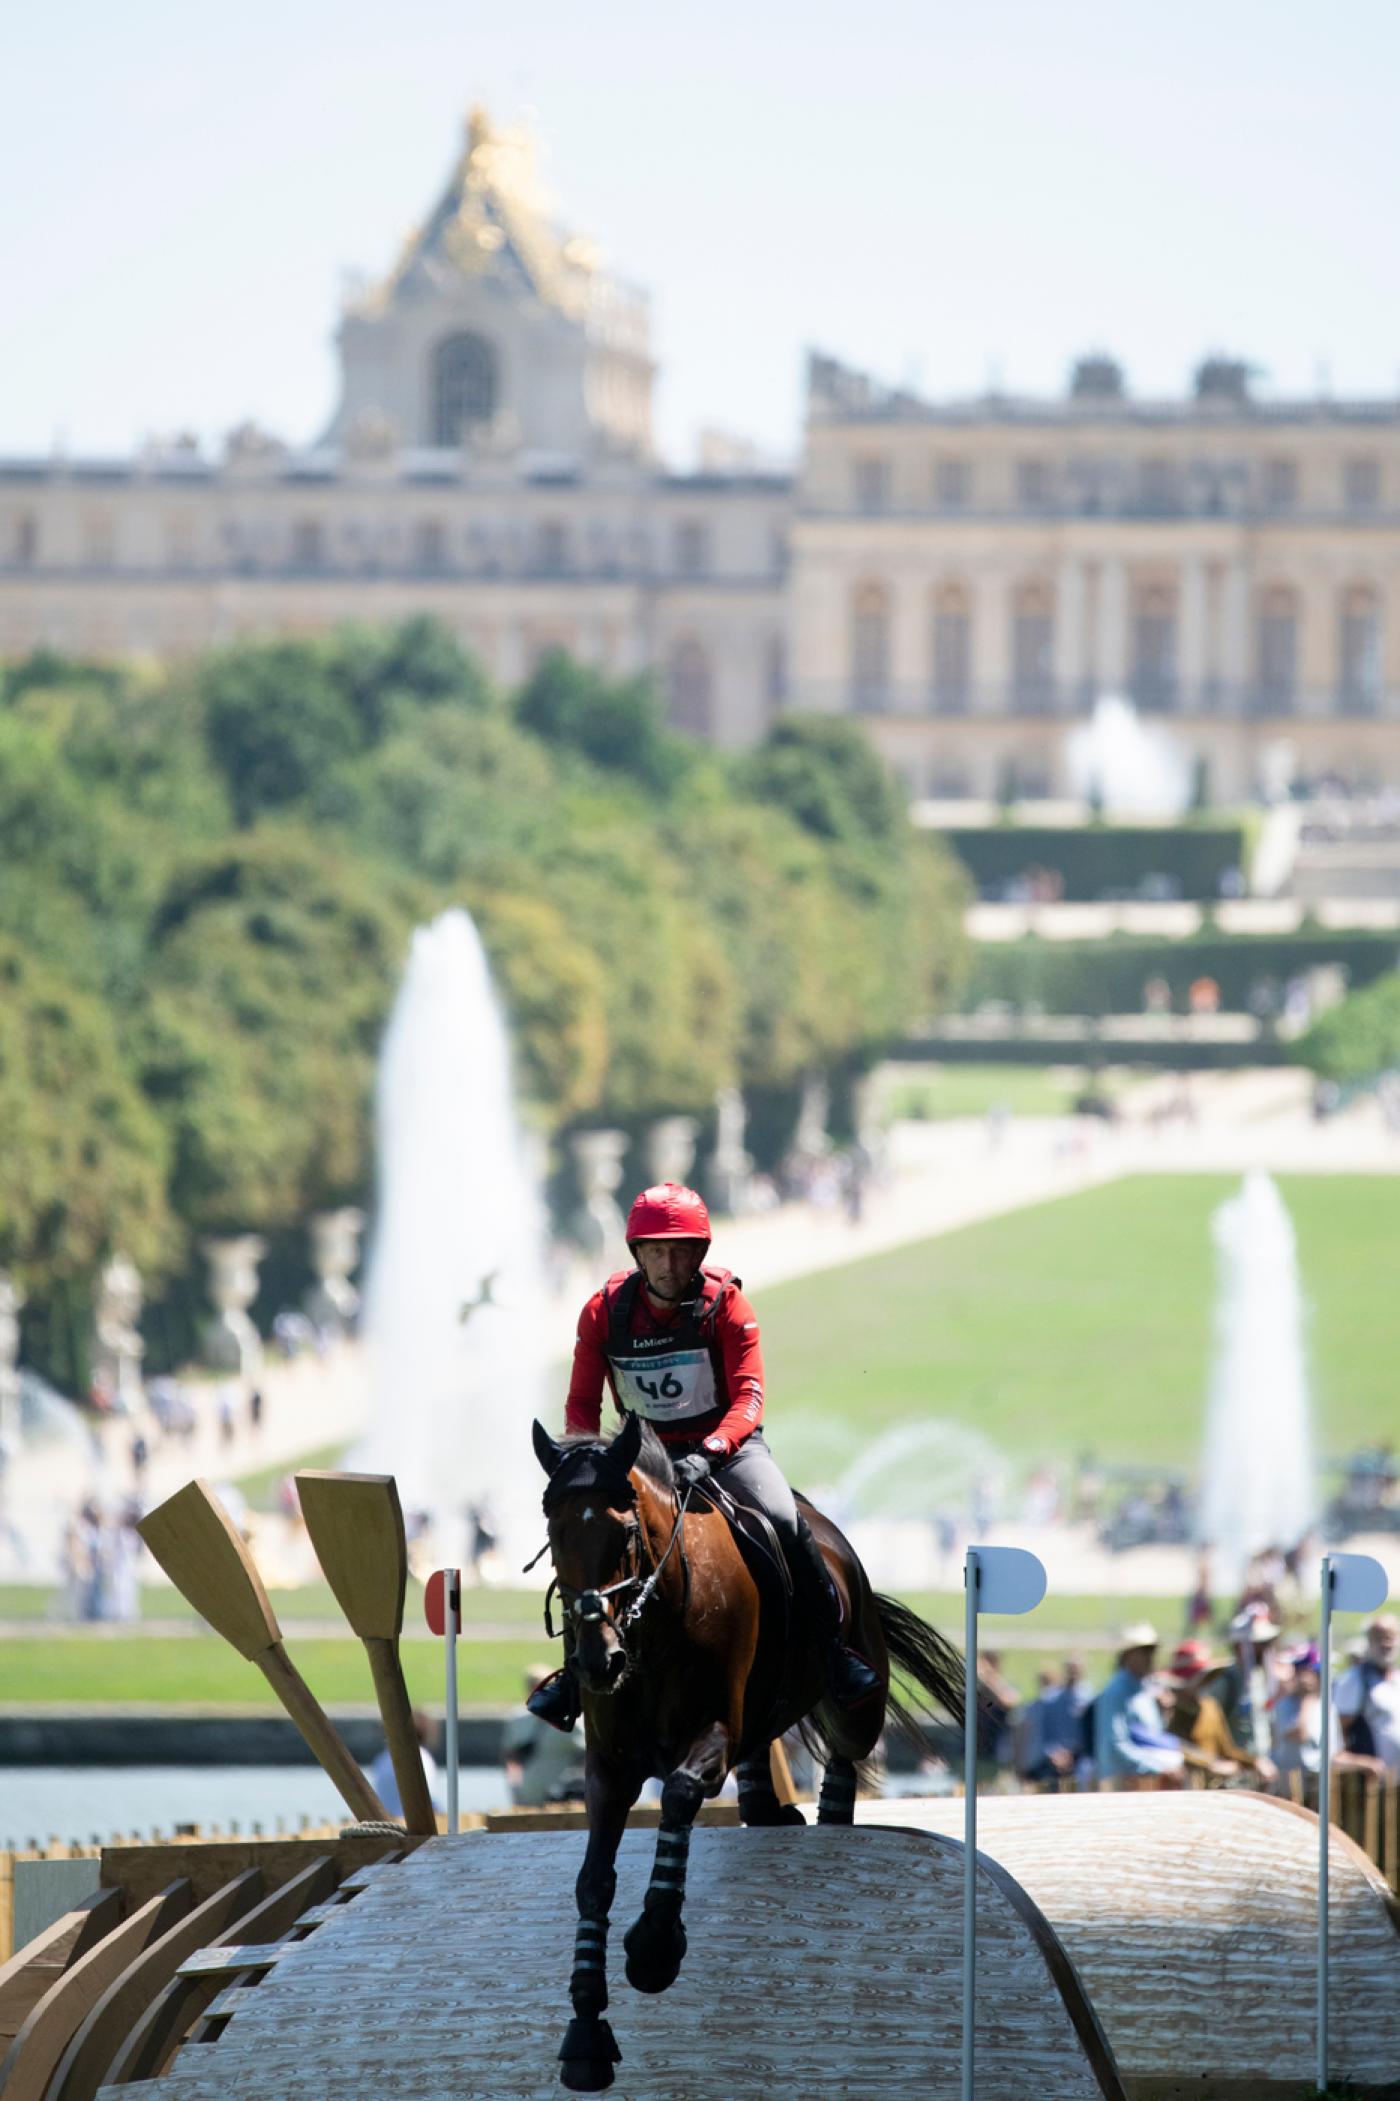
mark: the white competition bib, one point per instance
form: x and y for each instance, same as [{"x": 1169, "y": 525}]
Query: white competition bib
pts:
[{"x": 666, "y": 1389}]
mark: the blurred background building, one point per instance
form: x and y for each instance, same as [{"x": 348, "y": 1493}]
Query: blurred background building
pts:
[{"x": 966, "y": 576}]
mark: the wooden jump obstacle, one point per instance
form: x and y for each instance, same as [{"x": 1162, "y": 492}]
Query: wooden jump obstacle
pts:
[
  {"x": 822, "y": 1962},
  {"x": 1140, "y": 1947},
  {"x": 1191, "y": 1920}
]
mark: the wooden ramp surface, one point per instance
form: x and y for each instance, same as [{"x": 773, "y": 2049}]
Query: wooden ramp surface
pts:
[
  {"x": 821, "y": 1962},
  {"x": 1192, "y": 1922}
]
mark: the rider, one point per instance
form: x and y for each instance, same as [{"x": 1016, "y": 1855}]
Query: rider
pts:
[{"x": 677, "y": 1342}]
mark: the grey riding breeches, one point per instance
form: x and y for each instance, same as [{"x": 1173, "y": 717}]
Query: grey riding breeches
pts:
[{"x": 753, "y": 1476}]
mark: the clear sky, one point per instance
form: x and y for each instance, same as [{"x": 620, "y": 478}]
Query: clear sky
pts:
[{"x": 944, "y": 193}]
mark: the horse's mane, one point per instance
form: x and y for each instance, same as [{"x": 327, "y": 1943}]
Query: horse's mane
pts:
[{"x": 588, "y": 1463}]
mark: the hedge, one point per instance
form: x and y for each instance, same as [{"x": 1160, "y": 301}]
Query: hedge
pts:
[
  {"x": 1108, "y": 976},
  {"x": 1102, "y": 861}
]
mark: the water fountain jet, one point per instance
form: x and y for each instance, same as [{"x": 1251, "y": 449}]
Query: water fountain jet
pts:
[
  {"x": 456, "y": 1277},
  {"x": 1258, "y": 1483}
]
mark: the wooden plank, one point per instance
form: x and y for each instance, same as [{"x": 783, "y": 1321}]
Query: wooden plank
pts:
[
  {"x": 139, "y": 1871},
  {"x": 194, "y": 1539},
  {"x": 174, "y": 2010},
  {"x": 29, "y": 2063},
  {"x": 1169, "y": 1901},
  {"x": 32, "y": 1969},
  {"x": 355, "y": 1523},
  {"x": 87, "y": 2061},
  {"x": 227, "y": 1961},
  {"x": 449, "y": 1978}
]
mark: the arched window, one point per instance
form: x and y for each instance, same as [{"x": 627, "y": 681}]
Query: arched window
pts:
[
  {"x": 1359, "y": 656},
  {"x": 1033, "y": 650},
  {"x": 464, "y": 388},
  {"x": 952, "y": 650},
  {"x": 870, "y": 648},
  {"x": 1154, "y": 648},
  {"x": 688, "y": 688},
  {"x": 1277, "y": 652}
]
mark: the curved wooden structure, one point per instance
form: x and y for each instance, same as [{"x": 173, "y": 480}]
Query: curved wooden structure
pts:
[
  {"x": 33, "y": 2056},
  {"x": 821, "y": 1962},
  {"x": 1191, "y": 1920}
]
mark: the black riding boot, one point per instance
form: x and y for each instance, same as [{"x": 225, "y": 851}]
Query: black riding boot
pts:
[
  {"x": 849, "y": 1678},
  {"x": 556, "y": 1700}
]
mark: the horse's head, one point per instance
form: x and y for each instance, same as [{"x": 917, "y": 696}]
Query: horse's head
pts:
[{"x": 597, "y": 1542}]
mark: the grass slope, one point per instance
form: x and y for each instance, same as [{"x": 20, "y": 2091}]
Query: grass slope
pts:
[{"x": 1083, "y": 1323}]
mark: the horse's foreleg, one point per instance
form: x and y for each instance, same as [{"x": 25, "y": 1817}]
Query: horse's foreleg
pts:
[
  {"x": 589, "y": 2050},
  {"x": 837, "y": 1801},
  {"x": 758, "y": 1801},
  {"x": 655, "y": 1944}
]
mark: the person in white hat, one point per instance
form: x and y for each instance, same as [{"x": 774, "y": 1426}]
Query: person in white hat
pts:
[
  {"x": 1245, "y": 1688},
  {"x": 1130, "y": 1738}
]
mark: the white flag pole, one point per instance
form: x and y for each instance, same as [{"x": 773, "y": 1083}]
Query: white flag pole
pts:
[
  {"x": 998, "y": 1579},
  {"x": 1324, "y": 1815},
  {"x": 452, "y": 1606},
  {"x": 1350, "y": 1583},
  {"x": 972, "y": 1583}
]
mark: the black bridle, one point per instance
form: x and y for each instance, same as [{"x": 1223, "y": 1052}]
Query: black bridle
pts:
[{"x": 591, "y": 1607}]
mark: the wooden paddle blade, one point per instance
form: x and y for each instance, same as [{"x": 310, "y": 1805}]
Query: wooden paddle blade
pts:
[
  {"x": 356, "y": 1526},
  {"x": 193, "y": 1538}
]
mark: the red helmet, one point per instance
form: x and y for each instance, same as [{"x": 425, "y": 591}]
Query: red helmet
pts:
[{"x": 668, "y": 1212}]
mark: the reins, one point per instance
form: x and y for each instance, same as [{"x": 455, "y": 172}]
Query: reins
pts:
[{"x": 590, "y": 1607}]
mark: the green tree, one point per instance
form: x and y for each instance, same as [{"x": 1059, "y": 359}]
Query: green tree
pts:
[
  {"x": 614, "y": 723},
  {"x": 83, "y": 1168},
  {"x": 1359, "y": 1039},
  {"x": 825, "y": 773},
  {"x": 276, "y": 720}
]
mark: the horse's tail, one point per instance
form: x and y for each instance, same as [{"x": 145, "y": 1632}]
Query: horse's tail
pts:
[{"x": 919, "y": 1653}]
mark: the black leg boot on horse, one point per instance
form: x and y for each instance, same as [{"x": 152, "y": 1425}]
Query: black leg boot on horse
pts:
[{"x": 849, "y": 1678}]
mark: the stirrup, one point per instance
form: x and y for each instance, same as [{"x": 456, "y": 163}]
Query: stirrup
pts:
[
  {"x": 556, "y": 1701},
  {"x": 849, "y": 1678}
]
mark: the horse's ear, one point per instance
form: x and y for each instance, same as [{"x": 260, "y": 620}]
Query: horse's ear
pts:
[
  {"x": 627, "y": 1444},
  {"x": 547, "y": 1451}
]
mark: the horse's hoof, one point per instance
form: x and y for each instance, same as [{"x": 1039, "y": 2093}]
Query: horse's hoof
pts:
[
  {"x": 655, "y": 1948},
  {"x": 587, "y": 2057}
]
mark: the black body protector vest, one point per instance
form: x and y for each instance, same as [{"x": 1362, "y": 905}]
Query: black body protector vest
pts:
[{"x": 674, "y": 1378}]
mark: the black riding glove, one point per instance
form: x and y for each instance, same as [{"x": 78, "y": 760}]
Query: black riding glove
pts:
[{"x": 691, "y": 1470}]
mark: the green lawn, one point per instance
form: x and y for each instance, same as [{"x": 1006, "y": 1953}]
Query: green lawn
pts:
[
  {"x": 201, "y": 1669},
  {"x": 1080, "y": 1324}
]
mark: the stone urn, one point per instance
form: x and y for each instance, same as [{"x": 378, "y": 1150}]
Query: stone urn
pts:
[
  {"x": 333, "y": 1302},
  {"x": 231, "y": 1342},
  {"x": 117, "y": 1344}
]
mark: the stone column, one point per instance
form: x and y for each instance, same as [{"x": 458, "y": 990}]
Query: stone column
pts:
[
  {"x": 599, "y": 1224},
  {"x": 1234, "y": 635},
  {"x": 1191, "y": 656},
  {"x": 333, "y": 1302},
  {"x": 991, "y": 643},
  {"x": 231, "y": 1342},
  {"x": 671, "y": 1148},
  {"x": 911, "y": 666},
  {"x": 118, "y": 1347},
  {"x": 11, "y": 1300},
  {"x": 1069, "y": 635},
  {"x": 731, "y": 1167},
  {"x": 811, "y": 1138},
  {"x": 1111, "y": 653}
]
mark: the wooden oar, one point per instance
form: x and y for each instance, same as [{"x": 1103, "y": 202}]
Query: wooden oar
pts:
[
  {"x": 194, "y": 1540},
  {"x": 356, "y": 1526}
]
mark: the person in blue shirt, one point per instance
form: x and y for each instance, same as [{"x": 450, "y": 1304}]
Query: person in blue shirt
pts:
[{"x": 1130, "y": 1737}]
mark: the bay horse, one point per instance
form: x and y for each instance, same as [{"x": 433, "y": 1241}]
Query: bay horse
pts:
[{"x": 685, "y": 1677}]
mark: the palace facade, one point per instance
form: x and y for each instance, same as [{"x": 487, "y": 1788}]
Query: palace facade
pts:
[{"x": 966, "y": 577}]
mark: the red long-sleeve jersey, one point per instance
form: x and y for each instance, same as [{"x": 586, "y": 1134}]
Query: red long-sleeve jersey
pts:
[{"x": 736, "y": 1359}]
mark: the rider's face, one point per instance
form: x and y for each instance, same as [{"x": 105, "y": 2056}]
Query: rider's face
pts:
[{"x": 668, "y": 1265}]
